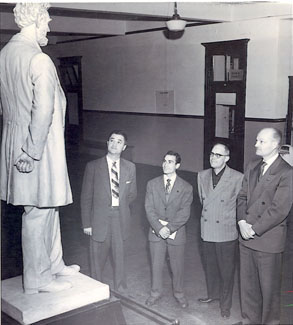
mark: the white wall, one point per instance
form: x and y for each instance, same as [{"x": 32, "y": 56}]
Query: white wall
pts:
[{"x": 123, "y": 73}]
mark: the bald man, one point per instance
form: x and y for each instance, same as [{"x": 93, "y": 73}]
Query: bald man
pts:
[{"x": 263, "y": 205}]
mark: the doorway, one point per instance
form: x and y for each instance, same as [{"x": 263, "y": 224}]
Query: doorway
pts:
[
  {"x": 71, "y": 80},
  {"x": 225, "y": 93}
]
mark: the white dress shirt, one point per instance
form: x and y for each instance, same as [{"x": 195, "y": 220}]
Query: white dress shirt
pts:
[
  {"x": 115, "y": 201},
  {"x": 172, "y": 180},
  {"x": 269, "y": 162}
]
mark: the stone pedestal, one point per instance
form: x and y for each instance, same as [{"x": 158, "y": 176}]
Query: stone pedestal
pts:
[{"x": 28, "y": 309}]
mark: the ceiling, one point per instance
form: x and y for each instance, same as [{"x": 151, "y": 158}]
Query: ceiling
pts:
[{"x": 76, "y": 21}]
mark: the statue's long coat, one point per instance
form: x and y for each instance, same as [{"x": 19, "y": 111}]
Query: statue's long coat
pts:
[{"x": 33, "y": 105}]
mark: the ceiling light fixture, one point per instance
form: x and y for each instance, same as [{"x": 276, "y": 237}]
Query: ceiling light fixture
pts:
[{"x": 176, "y": 24}]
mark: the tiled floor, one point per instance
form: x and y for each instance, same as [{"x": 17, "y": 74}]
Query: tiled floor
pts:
[{"x": 75, "y": 245}]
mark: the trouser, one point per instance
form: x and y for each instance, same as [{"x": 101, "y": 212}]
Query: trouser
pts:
[
  {"x": 99, "y": 252},
  {"x": 260, "y": 280},
  {"x": 219, "y": 260},
  {"x": 176, "y": 255},
  {"x": 41, "y": 246}
]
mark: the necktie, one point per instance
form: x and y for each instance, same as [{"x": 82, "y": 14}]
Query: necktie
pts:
[
  {"x": 168, "y": 186},
  {"x": 261, "y": 170},
  {"x": 115, "y": 180}
]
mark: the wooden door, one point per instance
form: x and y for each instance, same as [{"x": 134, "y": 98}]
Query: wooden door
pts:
[
  {"x": 225, "y": 90},
  {"x": 71, "y": 80}
]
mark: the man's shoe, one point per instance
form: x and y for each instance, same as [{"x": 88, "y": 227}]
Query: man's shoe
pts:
[
  {"x": 182, "y": 302},
  {"x": 206, "y": 300},
  {"x": 225, "y": 313},
  {"x": 53, "y": 286},
  {"x": 151, "y": 300},
  {"x": 69, "y": 270}
]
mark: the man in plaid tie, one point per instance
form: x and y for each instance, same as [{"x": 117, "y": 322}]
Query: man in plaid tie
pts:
[
  {"x": 109, "y": 187},
  {"x": 167, "y": 205}
]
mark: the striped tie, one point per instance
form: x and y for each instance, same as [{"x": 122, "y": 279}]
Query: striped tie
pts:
[{"x": 114, "y": 181}]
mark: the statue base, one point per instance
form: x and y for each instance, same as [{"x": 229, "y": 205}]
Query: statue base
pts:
[{"x": 28, "y": 309}]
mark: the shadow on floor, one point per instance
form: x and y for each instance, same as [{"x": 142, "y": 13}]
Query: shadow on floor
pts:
[{"x": 75, "y": 246}]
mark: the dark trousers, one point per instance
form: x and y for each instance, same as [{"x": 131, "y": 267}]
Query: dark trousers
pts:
[
  {"x": 158, "y": 255},
  {"x": 99, "y": 252},
  {"x": 260, "y": 280},
  {"x": 219, "y": 260}
]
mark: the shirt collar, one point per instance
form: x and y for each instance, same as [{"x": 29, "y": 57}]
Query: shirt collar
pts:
[
  {"x": 173, "y": 178},
  {"x": 271, "y": 160},
  {"x": 110, "y": 161}
]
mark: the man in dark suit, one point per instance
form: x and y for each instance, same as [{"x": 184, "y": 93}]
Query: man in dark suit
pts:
[
  {"x": 263, "y": 206},
  {"x": 218, "y": 188},
  {"x": 167, "y": 204},
  {"x": 109, "y": 186}
]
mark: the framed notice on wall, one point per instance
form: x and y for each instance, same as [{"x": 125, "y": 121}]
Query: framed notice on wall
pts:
[{"x": 165, "y": 101}]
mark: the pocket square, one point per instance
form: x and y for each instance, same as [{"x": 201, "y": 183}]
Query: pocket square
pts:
[{"x": 128, "y": 182}]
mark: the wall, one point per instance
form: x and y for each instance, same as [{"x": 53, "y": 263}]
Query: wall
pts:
[
  {"x": 123, "y": 73},
  {"x": 151, "y": 136}
]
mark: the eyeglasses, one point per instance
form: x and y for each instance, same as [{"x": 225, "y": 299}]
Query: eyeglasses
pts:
[{"x": 217, "y": 155}]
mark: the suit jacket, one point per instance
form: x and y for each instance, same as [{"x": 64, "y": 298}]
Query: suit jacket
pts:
[
  {"x": 33, "y": 105},
  {"x": 96, "y": 198},
  {"x": 218, "y": 217},
  {"x": 176, "y": 211},
  {"x": 266, "y": 204}
]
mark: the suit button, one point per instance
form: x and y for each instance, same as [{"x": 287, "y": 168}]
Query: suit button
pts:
[
  {"x": 205, "y": 220},
  {"x": 203, "y": 198},
  {"x": 217, "y": 221},
  {"x": 259, "y": 216},
  {"x": 263, "y": 203},
  {"x": 165, "y": 209},
  {"x": 205, "y": 210},
  {"x": 246, "y": 212},
  {"x": 222, "y": 200},
  {"x": 167, "y": 219}
]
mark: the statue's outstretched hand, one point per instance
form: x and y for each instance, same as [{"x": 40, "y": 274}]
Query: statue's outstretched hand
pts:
[{"x": 24, "y": 163}]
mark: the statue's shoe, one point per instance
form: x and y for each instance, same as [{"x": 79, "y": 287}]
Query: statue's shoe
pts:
[
  {"x": 53, "y": 286},
  {"x": 69, "y": 270}
]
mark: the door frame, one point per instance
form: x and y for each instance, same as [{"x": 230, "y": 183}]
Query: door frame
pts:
[{"x": 221, "y": 48}]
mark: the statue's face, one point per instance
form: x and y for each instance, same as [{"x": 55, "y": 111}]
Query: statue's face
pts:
[{"x": 43, "y": 29}]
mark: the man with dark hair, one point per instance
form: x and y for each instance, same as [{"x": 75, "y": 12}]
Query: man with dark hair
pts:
[
  {"x": 109, "y": 186},
  {"x": 167, "y": 204},
  {"x": 263, "y": 205},
  {"x": 218, "y": 188}
]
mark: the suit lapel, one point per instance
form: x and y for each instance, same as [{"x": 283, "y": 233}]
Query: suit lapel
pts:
[
  {"x": 104, "y": 174},
  {"x": 256, "y": 187},
  {"x": 175, "y": 189},
  {"x": 161, "y": 189},
  {"x": 211, "y": 192},
  {"x": 208, "y": 184},
  {"x": 122, "y": 176}
]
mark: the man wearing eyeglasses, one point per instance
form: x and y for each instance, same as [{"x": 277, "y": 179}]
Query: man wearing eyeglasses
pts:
[{"x": 218, "y": 188}]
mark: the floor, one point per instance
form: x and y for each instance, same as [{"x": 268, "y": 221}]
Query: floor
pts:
[{"x": 75, "y": 246}]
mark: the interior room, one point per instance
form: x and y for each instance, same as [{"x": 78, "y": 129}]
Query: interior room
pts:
[{"x": 226, "y": 75}]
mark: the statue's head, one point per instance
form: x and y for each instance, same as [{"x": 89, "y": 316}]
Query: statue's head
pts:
[{"x": 27, "y": 14}]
